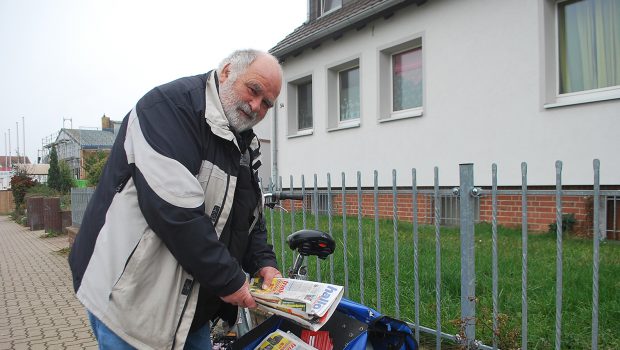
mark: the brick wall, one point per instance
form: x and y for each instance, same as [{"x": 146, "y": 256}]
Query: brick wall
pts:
[{"x": 541, "y": 209}]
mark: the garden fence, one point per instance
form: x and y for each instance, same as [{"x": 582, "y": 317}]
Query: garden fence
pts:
[{"x": 593, "y": 212}]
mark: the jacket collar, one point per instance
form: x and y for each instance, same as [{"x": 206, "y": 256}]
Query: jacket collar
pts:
[{"x": 214, "y": 113}]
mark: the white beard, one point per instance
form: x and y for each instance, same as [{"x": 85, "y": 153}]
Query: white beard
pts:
[{"x": 232, "y": 105}]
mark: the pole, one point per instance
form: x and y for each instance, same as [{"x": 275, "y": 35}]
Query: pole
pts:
[
  {"x": 10, "y": 152},
  {"x": 24, "y": 138},
  {"x": 17, "y": 137},
  {"x": 468, "y": 275}
]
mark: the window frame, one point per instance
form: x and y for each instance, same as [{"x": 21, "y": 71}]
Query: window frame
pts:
[
  {"x": 344, "y": 123},
  {"x": 385, "y": 54},
  {"x": 407, "y": 111},
  {"x": 305, "y": 83},
  {"x": 322, "y": 11},
  {"x": 551, "y": 35},
  {"x": 333, "y": 94},
  {"x": 293, "y": 129}
]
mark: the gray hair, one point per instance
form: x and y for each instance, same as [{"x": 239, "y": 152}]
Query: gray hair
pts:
[{"x": 240, "y": 60}]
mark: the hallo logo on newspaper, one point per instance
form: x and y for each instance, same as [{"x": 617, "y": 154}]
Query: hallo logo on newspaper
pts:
[
  {"x": 280, "y": 286},
  {"x": 324, "y": 298}
]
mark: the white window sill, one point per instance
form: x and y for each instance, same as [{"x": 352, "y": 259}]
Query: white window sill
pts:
[
  {"x": 300, "y": 133},
  {"x": 586, "y": 97},
  {"x": 410, "y": 113},
  {"x": 346, "y": 125}
]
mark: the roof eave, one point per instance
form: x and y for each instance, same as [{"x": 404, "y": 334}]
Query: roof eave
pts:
[{"x": 341, "y": 27}]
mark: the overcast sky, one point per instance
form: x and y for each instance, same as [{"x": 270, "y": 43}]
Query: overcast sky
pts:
[{"x": 81, "y": 59}]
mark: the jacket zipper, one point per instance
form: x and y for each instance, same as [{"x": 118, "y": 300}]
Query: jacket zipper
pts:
[
  {"x": 189, "y": 294},
  {"x": 223, "y": 200},
  {"x": 122, "y": 184}
]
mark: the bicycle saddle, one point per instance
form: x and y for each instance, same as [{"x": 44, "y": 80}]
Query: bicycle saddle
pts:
[{"x": 312, "y": 242}]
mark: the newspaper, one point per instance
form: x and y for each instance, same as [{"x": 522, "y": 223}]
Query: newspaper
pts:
[
  {"x": 309, "y": 304},
  {"x": 279, "y": 340}
]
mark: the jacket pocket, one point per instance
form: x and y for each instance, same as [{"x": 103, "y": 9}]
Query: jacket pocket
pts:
[
  {"x": 150, "y": 297},
  {"x": 216, "y": 184}
]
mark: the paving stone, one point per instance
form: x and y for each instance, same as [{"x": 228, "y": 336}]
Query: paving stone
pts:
[
  {"x": 19, "y": 346},
  {"x": 38, "y": 309}
]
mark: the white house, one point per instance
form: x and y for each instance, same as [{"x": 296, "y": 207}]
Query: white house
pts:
[{"x": 393, "y": 84}]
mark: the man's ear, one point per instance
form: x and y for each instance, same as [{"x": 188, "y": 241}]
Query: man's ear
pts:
[{"x": 225, "y": 73}]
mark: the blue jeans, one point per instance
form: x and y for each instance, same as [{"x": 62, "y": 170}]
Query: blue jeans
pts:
[{"x": 200, "y": 339}]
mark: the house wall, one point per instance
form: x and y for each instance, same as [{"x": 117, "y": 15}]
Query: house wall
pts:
[
  {"x": 263, "y": 131},
  {"x": 69, "y": 151},
  {"x": 487, "y": 78}
]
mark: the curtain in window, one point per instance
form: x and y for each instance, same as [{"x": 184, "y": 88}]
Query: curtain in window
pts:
[
  {"x": 349, "y": 94},
  {"x": 589, "y": 44},
  {"x": 407, "y": 80},
  {"x": 304, "y": 106}
]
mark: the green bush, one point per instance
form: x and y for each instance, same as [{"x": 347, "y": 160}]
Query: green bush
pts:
[
  {"x": 20, "y": 183},
  {"x": 568, "y": 222},
  {"x": 65, "y": 202},
  {"x": 93, "y": 166},
  {"x": 66, "y": 178},
  {"x": 53, "y": 174},
  {"x": 41, "y": 190}
]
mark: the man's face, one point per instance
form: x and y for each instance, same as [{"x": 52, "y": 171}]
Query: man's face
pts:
[{"x": 247, "y": 96}]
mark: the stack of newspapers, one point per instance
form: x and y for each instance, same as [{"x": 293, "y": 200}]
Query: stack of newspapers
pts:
[
  {"x": 309, "y": 304},
  {"x": 279, "y": 340}
]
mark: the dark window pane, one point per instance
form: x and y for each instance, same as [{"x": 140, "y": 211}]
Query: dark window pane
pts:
[{"x": 304, "y": 106}]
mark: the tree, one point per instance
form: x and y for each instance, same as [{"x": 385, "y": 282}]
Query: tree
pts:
[
  {"x": 20, "y": 183},
  {"x": 65, "y": 180},
  {"x": 93, "y": 166},
  {"x": 53, "y": 175}
]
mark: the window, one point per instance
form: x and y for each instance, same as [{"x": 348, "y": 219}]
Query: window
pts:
[
  {"x": 304, "y": 106},
  {"x": 327, "y": 6},
  {"x": 581, "y": 51},
  {"x": 349, "y": 94},
  {"x": 299, "y": 100},
  {"x": 344, "y": 95},
  {"x": 588, "y": 45},
  {"x": 401, "y": 83},
  {"x": 407, "y": 80}
]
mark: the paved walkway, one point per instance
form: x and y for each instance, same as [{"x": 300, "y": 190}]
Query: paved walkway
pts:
[{"x": 38, "y": 309}]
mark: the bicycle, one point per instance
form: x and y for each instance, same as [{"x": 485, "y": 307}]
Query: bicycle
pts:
[
  {"x": 353, "y": 327},
  {"x": 303, "y": 243}
]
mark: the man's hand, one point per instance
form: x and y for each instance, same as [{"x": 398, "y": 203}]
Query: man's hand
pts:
[
  {"x": 268, "y": 273},
  {"x": 241, "y": 297}
]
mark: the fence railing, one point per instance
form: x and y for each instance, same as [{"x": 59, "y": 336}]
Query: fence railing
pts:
[
  {"x": 422, "y": 221},
  {"x": 79, "y": 201},
  {"x": 593, "y": 213}
]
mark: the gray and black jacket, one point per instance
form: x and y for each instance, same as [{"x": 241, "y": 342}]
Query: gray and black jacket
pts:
[{"x": 150, "y": 236}]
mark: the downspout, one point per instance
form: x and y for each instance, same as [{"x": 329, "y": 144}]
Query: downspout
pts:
[{"x": 274, "y": 147}]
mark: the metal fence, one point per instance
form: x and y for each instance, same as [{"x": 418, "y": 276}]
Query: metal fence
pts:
[
  {"x": 79, "y": 201},
  {"x": 437, "y": 209}
]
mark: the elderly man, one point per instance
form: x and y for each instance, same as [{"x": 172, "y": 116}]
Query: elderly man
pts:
[{"x": 176, "y": 220}]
